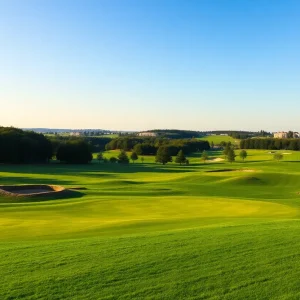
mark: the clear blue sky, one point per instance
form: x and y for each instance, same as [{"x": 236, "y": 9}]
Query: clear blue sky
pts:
[{"x": 143, "y": 64}]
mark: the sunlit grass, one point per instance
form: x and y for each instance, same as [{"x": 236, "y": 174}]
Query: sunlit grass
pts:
[{"x": 213, "y": 230}]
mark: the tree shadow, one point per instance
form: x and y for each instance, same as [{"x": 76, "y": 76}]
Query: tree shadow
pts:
[
  {"x": 13, "y": 180},
  {"x": 88, "y": 169},
  {"x": 67, "y": 195}
]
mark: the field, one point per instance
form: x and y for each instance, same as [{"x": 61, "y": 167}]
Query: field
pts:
[
  {"x": 217, "y": 139},
  {"x": 213, "y": 230}
]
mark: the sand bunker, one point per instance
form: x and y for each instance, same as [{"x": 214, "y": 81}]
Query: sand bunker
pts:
[
  {"x": 216, "y": 159},
  {"x": 33, "y": 190}
]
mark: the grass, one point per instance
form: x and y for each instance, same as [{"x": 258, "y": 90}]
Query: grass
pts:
[
  {"x": 217, "y": 139},
  {"x": 147, "y": 231}
]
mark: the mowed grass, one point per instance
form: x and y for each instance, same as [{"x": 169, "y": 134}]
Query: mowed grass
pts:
[
  {"x": 217, "y": 139},
  {"x": 211, "y": 230}
]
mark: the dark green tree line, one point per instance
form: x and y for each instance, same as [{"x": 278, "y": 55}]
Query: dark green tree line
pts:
[
  {"x": 271, "y": 144},
  {"x": 19, "y": 146}
]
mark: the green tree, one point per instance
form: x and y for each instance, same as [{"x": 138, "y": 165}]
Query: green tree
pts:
[
  {"x": 180, "y": 158},
  {"x": 133, "y": 156},
  {"x": 278, "y": 156},
  {"x": 123, "y": 158},
  {"x": 187, "y": 162},
  {"x": 162, "y": 155},
  {"x": 100, "y": 157},
  {"x": 113, "y": 159},
  {"x": 204, "y": 156},
  {"x": 138, "y": 149},
  {"x": 18, "y": 146},
  {"x": 227, "y": 148},
  {"x": 243, "y": 154},
  {"x": 212, "y": 145},
  {"x": 290, "y": 134},
  {"x": 142, "y": 159},
  {"x": 230, "y": 155},
  {"x": 74, "y": 152}
]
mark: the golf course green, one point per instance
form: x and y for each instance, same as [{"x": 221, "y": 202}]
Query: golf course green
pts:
[{"x": 207, "y": 230}]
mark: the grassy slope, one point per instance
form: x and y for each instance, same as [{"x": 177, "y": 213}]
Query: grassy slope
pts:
[
  {"x": 217, "y": 139},
  {"x": 162, "y": 232}
]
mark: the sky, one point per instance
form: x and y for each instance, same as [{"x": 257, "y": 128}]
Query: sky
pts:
[{"x": 137, "y": 65}]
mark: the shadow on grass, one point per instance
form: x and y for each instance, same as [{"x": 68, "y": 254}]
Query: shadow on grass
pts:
[
  {"x": 212, "y": 153},
  {"x": 12, "y": 180},
  {"x": 67, "y": 195},
  {"x": 86, "y": 170}
]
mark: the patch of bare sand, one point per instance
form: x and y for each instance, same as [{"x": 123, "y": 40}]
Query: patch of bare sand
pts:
[{"x": 216, "y": 159}]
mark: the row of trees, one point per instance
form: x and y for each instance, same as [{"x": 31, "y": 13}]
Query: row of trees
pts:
[
  {"x": 122, "y": 158},
  {"x": 149, "y": 146},
  {"x": 97, "y": 144},
  {"x": 74, "y": 151},
  {"x": 270, "y": 144},
  {"x": 162, "y": 156},
  {"x": 230, "y": 155},
  {"x": 18, "y": 146}
]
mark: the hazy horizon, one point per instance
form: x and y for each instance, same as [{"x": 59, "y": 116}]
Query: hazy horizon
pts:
[
  {"x": 137, "y": 130},
  {"x": 139, "y": 65}
]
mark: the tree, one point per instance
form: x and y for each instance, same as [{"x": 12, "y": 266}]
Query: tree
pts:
[
  {"x": 113, "y": 159},
  {"x": 74, "y": 152},
  {"x": 100, "y": 156},
  {"x": 180, "y": 158},
  {"x": 212, "y": 145},
  {"x": 227, "y": 148},
  {"x": 123, "y": 158},
  {"x": 138, "y": 149},
  {"x": 204, "y": 156},
  {"x": 230, "y": 155},
  {"x": 243, "y": 154},
  {"x": 187, "y": 162},
  {"x": 290, "y": 134},
  {"x": 163, "y": 156},
  {"x": 278, "y": 156},
  {"x": 133, "y": 156},
  {"x": 142, "y": 159},
  {"x": 18, "y": 146}
]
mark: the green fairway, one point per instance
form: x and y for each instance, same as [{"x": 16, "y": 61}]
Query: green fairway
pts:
[
  {"x": 217, "y": 139},
  {"x": 213, "y": 230}
]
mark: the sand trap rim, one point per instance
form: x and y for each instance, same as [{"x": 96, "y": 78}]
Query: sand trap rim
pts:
[{"x": 28, "y": 190}]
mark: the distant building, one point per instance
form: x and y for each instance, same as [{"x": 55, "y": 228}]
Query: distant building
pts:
[
  {"x": 284, "y": 135},
  {"x": 280, "y": 135},
  {"x": 296, "y": 135},
  {"x": 147, "y": 133},
  {"x": 75, "y": 133}
]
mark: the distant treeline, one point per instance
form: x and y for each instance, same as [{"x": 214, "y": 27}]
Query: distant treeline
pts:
[
  {"x": 18, "y": 146},
  {"x": 97, "y": 144},
  {"x": 149, "y": 146},
  {"x": 238, "y": 134},
  {"x": 176, "y": 133},
  {"x": 187, "y": 134},
  {"x": 74, "y": 152},
  {"x": 270, "y": 144}
]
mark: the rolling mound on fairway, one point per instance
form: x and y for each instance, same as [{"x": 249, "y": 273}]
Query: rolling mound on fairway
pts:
[
  {"x": 230, "y": 170},
  {"x": 34, "y": 191}
]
